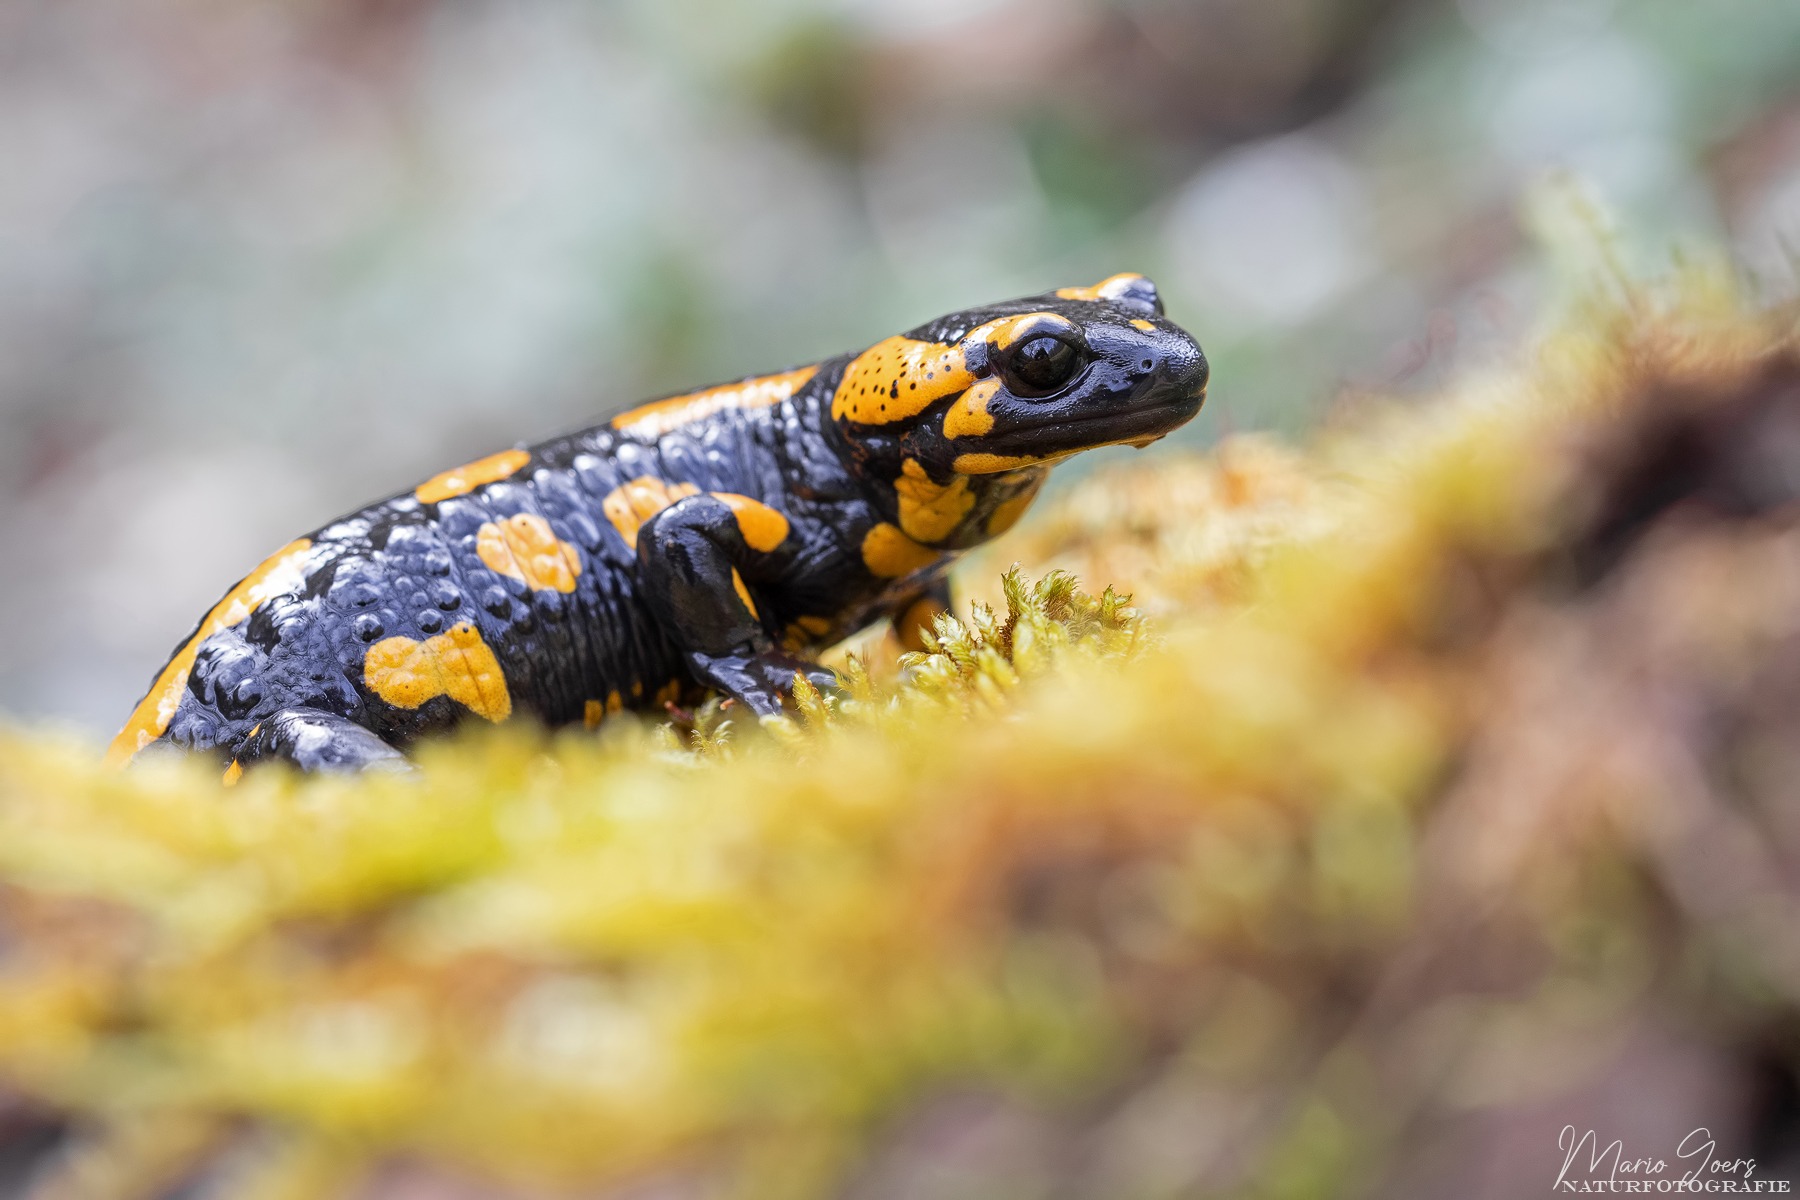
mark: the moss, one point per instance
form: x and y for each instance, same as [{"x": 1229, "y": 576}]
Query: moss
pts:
[{"x": 1384, "y": 785}]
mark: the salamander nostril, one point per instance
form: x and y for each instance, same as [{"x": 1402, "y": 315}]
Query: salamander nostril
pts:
[{"x": 1148, "y": 364}]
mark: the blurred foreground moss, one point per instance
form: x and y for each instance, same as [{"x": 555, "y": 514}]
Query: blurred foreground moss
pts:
[{"x": 1457, "y": 769}]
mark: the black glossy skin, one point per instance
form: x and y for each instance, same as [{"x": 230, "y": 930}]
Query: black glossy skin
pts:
[{"x": 667, "y": 612}]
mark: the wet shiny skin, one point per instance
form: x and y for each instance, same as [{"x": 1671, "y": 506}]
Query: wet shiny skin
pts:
[{"x": 709, "y": 541}]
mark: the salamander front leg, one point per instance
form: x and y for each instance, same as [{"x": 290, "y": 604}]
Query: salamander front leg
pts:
[
  {"x": 692, "y": 557},
  {"x": 315, "y": 740}
]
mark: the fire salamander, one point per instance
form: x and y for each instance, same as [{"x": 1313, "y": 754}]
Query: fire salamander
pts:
[{"x": 708, "y": 541}]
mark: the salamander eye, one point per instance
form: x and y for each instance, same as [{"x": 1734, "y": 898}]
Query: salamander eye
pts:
[{"x": 1041, "y": 365}]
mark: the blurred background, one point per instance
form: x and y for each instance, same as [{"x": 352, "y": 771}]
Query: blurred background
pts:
[{"x": 261, "y": 262}]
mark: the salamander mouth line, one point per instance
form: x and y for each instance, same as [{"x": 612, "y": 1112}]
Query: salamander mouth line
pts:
[{"x": 1136, "y": 410}]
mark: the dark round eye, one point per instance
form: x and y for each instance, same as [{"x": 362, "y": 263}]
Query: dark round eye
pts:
[{"x": 1041, "y": 365}]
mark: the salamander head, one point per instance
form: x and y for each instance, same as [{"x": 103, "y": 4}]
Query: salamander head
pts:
[{"x": 1023, "y": 383}]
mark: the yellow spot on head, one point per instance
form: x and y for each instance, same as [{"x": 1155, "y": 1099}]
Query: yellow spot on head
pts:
[
  {"x": 969, "y": 416},
  {"x": 524, "y": 548},
  {"x": 629, "y": 505},
  {"x": 281, "y": 572},
  {"x": 233, "y": 773},
  {"x": 918, "y": 615},
  {"x": 657, "y": 418},
  {"x": 930, "y": 512},
  {"x": 470, "y": 476},
  {"x": 1106, "y": 289},
  {"x": 1008, "y": 330},
  {"x": 737, "y": 584},
  {"x": 763, "y": 527},
  {"x": 1146, "y": 326},
  {"x": 899, "y": 378},
  {"x": 989, "y": 464},
  {"x": 456, "y": 663},
  {"x": 889, "y": 553}
]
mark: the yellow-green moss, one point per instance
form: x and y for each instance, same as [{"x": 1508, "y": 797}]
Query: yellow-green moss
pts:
[{"x": 1067, "y": 850}]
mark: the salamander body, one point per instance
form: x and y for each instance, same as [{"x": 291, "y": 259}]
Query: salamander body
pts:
[{"x": 710, "y": 540}]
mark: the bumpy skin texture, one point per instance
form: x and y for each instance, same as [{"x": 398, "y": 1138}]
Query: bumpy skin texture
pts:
[{"x": 706, "y": 541}]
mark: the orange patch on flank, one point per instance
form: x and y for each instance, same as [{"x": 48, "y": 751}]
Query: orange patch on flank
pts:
[
  {"x": 457, "y": 664},
  {"x": 659, "y": 417},
  {"x": 594, "y": 711},
  {"x": 1106, "y": 289},
  {"x": 281, "y": 572},
  {"x": 737, "y": 584},
  {"x": 969, "y": 416},
  {"x": 470, "y": 476},
  {"x": 930, "y": 512},
  {"x": 889, "y": 553},
  {"x": 668, "y": 693},
  {"x": 629, "y": 505},
  {"x": 524, "y": 548},
  {"x": 918, "y": 615},
  {"x": 763, "y": 527},
  {"x": 233, "y": 773}
]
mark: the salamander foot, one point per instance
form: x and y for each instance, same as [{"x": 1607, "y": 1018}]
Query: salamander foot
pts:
[
  {"x": 315, "y": 740},
  {"x": 761, "y": 681}
]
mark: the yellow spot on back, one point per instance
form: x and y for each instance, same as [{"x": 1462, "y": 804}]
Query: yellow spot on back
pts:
[
  {"x": 817, "y": 626},
  {"x": 918, "y": 615},
  {"x": 929, "y": 511},
  {"x": 281, "y": 572},
  {"x": 763, "y": 527},
  {"x": 456, "y": 663},
  {"x": 889, "y": 553},
  {"x": 737, "y": 583},
  {"x": 1106, "y": 289},
  {"x": 233, "y": 773},
  {"x": 969, "y": 416},
  {"x": 659, "y": 417},
  {"x": 525, "y": 548},
  {"x": 470, "y": 476},
  {"x": 629, "y": 505}
]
